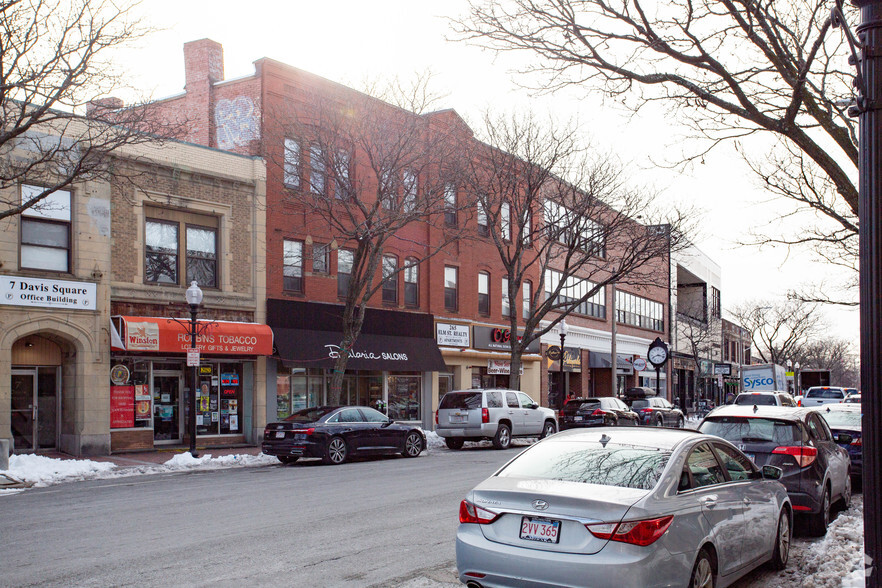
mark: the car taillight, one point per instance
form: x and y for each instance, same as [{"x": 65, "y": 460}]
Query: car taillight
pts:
[
  {"x": 857, "y": 442},
  {"x": 469, "y": 513},
  {"x": 799, "y": 402},
  {"x": 485, "y": 415},
  {"x": 640, "y": 533},
  {"x": 645, "y": 410},
  {"x": 436, "y": 417},
  {"x": 803, "y": 454},
  {"x": 597, "y": 412},
  {"x": 308, "y": 431}
]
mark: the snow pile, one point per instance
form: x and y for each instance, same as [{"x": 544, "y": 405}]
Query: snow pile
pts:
[
  {"x": 833, "y": 560},
  {"x": 435, "y": 441}
]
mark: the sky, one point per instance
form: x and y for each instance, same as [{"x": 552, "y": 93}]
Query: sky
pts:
[{"x": 350, "y": 41}]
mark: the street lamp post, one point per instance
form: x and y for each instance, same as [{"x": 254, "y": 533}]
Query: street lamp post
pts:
[
  {"x": 790, "y": 369},
  {"x": 194, "y": 299},
  {"x": 796, "y": 379},
  {"x": 563, "y": 336}
]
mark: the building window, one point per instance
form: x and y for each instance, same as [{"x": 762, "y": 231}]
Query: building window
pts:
[
  {"x": 484, "y": 293},
  {"x": 202, "y": 256},
  {"x": 321, "y": 253},
  {"x": 505, "y": 221},
  {"x": 411, "y": 282},
  {"x": 451, "y": 280},
  {"x": 292, "y": 163},
  {"x": 317, "y": 171},
  {"x": 572, "y": 230},
  {"x": 293, "y": 270},
  {"x": 716, "y": 306},
  {"x": 390, "y": 279},
  {"x": 167, "y": 233},
  {"x": 528, "y": 299},
  {"x": 573, "y": 290},
  {"x": 450, "y": 205},
  {"x": 483, "y": 229},
  {"x": 161, "y": 240},
  {"x": 506, "y": 301},
  {"x": 527, "y": 231},
  {"x": 409, "y": 180},
  {"x": 344, "y": 271},
  {"x": 45, "y": 230},
  {"x": 342, "y": 184},
  {"x": 639, "y": 312}
]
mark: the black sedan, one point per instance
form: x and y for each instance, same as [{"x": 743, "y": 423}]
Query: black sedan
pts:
[
  {"x": 592, "y": 412},
  {"x": 846, "y": 418},
  {"x": 336, "y": 433}
]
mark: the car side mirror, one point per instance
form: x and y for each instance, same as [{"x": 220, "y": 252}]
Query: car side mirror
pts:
[
  {"x": 843, "y": 438},
  {"x": 388, "y": 422},
  {"x": 772, "y": 472},
  {"x": 534, "y": 405}
]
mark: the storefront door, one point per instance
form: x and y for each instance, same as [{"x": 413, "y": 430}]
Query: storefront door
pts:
[
  {"x": 167, "y": 413},
  {"x": 34, "y": 408}
]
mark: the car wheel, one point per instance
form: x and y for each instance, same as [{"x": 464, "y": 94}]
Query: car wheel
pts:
[
  {"x": 845, "y": 501},
  {"x": 413, "y": 445},
  {"x": 681, "y": 423},
  {"x": 502, "y": 438},
  {"x": 548, "y": 429},
  {"x": 335, "y": 452},
  {"x": 703, "y": 572},
  {"x": 658, "y": 422},
  {"x": 288, "y": 459},
  {"x": 781, "y": 552},
  {"x": 818, "y": 522},
  {"x": 453, "y": 443}
]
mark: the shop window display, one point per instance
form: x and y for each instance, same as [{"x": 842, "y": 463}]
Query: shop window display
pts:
[
  {"x": 404, "y": 397},
  {"x": 130, "y": 405}
]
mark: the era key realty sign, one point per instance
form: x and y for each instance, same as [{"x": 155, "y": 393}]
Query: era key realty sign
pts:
[{"x": 19, "y": 291}]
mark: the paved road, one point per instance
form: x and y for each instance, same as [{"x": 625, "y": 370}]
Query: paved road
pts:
[{"x": 379, "y": 522}]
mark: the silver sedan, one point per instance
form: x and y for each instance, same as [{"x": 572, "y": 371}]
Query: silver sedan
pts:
[{"x": 624, "y": 507}]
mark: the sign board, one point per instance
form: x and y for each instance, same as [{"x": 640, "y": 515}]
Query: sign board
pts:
[
  {"x": 452, "y": 335},
  {"x": 723, "y": 369},
  {"x": 572, "y": 360},
  {"x": 553, "y": 353},
  {"x": 66, "y": 294},
  {"x": 639, "y": 364},
  {"x": 192, "y": 357},
  {"x": 122, "y": 407},
  {"x": 499, "y": 339},
  {"x": 501, "y": 367}
]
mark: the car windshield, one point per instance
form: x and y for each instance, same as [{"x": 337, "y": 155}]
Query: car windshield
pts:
[
  {"x": 752, "y": 430},
  {"x": 587, "y": 405},
  {"x": 590, "y": 463},
  {"x": 842, "y": 418},
  {"x": 759, "y": 399},
  {"x": 310, "y": 415},
  {"x": 461, "y": 400}
]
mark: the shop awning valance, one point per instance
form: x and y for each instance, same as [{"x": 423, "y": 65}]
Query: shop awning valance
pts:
[
  {"x": 599, "y": 359},
  {"x": 164, "y": 335}
]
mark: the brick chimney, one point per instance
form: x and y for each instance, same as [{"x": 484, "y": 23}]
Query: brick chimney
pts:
[
  {"x": 203, "y": 66},
  {"x": 101, "y": 106}
]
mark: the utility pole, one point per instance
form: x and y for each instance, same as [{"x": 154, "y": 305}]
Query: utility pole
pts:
[{"x": 613, "y": 355}]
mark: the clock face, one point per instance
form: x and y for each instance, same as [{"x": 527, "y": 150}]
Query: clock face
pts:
[{"x": 657, "y": 355}]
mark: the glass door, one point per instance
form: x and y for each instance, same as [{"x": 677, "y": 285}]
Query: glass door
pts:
[
  {"x": 167, "y": 414},
  {"x": 24, "y": 409}
]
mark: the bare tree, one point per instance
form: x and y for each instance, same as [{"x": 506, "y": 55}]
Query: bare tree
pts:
[
  {"x": 563, "y": 221},
  {"x": 779, "y": 330},
  {"x": 731, "y": 71},
  {"x": 54, "y": 66},
  {"x": 698, "y": 330},
  {"x": 373, "y": 176}
]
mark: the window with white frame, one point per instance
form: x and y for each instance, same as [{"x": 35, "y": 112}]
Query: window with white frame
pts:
[
  {"x": 639, "y": 311},
  {"x": 527, "y": 232},
  {"x": 451, "y": 287},
  {"x": 292, "y": 272},
  {"x": 45, "y": 230},
  {"x": 390, "y": 279},
  {"x": 483, "y": 293},
  {"x": 528, "y": 299},
  {"x": 342, "y": 184},
  {"x": 483, "y": 228},
  {"x": 409, "y": 181},
  {"x": 450, "y": 205},
  {"x": 411, "y": 282},
  {"x": 575, "y": 289},
  {"x": 506, "y": 300},
  {"x": 505, "y": 221},
  {"x": 172, "y": 236},
  {"x": 317, "y": 171},
  {"x": 292, "y": 163},
  {"x": 567, "y": 227},
  {"x": 321, "y": 254},
  {"x": 345, "y": 259}
]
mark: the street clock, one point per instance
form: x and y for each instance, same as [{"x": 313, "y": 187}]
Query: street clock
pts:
[{"x": 658, "y": 353}]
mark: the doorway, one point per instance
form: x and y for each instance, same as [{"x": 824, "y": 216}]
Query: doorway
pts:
[
  {"x": 167, "y": 414},
  {"x": 35, "y": 408}
]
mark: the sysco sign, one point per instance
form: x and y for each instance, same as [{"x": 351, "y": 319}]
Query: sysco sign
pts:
[{"x": 758, "y": 382}]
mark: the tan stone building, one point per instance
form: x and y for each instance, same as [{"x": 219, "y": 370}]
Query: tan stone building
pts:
[{"x": 91, "y": 360}]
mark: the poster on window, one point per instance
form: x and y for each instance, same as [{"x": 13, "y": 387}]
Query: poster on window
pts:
[
  {"x": 142, "y": 410},
  {"x": 122, "y": 407},
  {"x": 234, "y": 422}
]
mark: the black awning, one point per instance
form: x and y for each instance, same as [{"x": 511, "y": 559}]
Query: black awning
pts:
[
  {"x": 305, "y": 348},
  {"x": 599, "y": 359}
]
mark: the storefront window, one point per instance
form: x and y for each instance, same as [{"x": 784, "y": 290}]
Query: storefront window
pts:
[
  {"x": 404, "y": 397},
  {"x": 130, "y": 405},
  {"x": 283, "y": 396},
  {"x": 219, "y": 403}
]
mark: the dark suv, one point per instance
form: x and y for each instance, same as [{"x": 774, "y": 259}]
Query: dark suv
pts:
[
  {"x": 798, "y": 441},
  {"x": 657, "y": 412},
  {"x": 592, "y": 412}
]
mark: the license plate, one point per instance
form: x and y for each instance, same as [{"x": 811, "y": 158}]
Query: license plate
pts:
[
  {"x": 544, "y": 530},
  {"x": 578, "y": 418},
  {"x": 280, "y": 434},
  {"x": 458, "y": 418}
]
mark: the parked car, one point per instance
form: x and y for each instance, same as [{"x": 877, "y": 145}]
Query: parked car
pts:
[
  {"x": 773, "y": 398},
  {"x": 846, "y": 418},
  {"x": 495, "y": 414},
  {"x": 819, "y": 395},
  {"x": 851, "y": 392},
  {"x": 592, "y": 412},
  {"x": 853, "y": 399},
  {"x": 623, "y": 507},
  {"x": 336, "y": 433},
  {"x": 658, "y": 412},
  {"x": 798, "y": 441}
]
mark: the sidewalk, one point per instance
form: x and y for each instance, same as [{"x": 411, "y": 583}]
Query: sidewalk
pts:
[{"x": 157, "y": 456}]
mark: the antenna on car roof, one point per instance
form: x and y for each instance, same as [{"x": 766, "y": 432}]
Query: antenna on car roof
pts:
[{"x": 604, "y": 439}]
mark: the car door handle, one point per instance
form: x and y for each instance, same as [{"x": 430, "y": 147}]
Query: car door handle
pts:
[{"x": 709, "y": 501}]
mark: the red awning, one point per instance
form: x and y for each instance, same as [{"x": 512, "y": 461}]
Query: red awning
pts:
[{"x": 165, "y": 335}]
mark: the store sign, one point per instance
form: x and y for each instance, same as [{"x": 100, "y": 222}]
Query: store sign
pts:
[
  {"x": 499, "y": 338},
  {"x": 142, "y": 336},
  {"x": 572, "y": 360},
  {"x": 723, "y": 369},
  {"x": 122, "y": 407},
  {"x": 18, "y": 291},
  {"x": 501, "y": 367},
  {"x": 334, "y": 353},
  {"x": 452, "y": 335}
]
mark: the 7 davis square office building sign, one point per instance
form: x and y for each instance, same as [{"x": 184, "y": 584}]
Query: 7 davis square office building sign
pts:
[{"x": 20, "y": 291}]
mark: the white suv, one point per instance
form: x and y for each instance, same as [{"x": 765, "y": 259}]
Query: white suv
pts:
[
  {"x": 820, "y": 395},
  {"x": 496, "y": 414}
]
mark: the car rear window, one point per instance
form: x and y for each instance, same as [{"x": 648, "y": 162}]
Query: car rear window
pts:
[
  {"x": 310, "y": 415},
  {"x": 823, "y": 393},
  {"x": 574, "y": 406},
  {"x": 758, "y": 399},
  {"x": 639, "y": 404},
  {"x": 837, "y": 418},
  {"x": 752, "y": 430},
  {"x": 461, "y": 400},
  {"x": 588, "y": 462}
]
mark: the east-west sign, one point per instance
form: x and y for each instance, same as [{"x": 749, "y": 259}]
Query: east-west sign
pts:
[
  {"x": 499, "y": 339},
  {"x": 19, "y": 291}
]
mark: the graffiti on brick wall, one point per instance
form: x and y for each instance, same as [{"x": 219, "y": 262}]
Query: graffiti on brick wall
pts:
[{"x": 236, "y": 122}]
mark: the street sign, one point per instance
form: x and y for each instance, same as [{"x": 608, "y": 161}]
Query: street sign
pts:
[
  {"x": 192, "y": 357},
  {"x": 553, "y": 353},
  {"x": 639, "y": 364}
]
